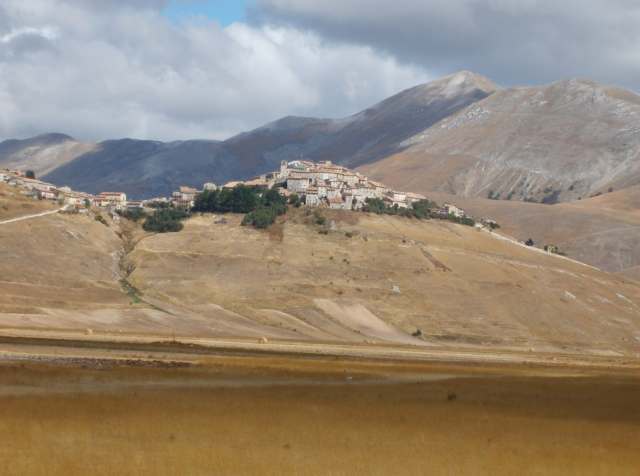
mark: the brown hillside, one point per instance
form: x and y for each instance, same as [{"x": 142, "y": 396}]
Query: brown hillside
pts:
[
  {"x": 458, "y": 285},
  {"x": 373, "y": 279},
  {"x": 14, "y": 204},
  {"x": 602, "y": 231}
]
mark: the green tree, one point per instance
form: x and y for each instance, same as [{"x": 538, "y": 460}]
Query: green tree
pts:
[
  {"x": 261, "y": 218},
  {"x": 165, "y": 220}
]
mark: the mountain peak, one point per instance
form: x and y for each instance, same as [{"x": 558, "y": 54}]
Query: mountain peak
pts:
[
  {"x": 52, "y": 137},
  {"x": 464, "y": 81}
]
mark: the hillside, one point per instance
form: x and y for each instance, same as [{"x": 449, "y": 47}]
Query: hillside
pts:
[
  {"x": 603, "y": 231},
  {"x": 41, "y": 154},
  {"x": 552, "y": 143},
  {"x": 14, "y": 204},
  {"x": 375, "y": 279},
  {"x": 144, "y": 169}
]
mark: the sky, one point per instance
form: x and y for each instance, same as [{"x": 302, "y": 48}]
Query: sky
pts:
[
  {"x": 181, "y": 69},
  {"x": 223, "y": 11}
]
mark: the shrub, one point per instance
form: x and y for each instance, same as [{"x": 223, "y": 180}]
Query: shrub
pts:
[
  {"x": 422, "y": 208},
  {"x": 165, "y": 220},
  {"x": 294, "y": 200},
  {"x": 157, "y": 204},
  {"x": 375, "y": 205},
  {"x": 100, "y": 218},
  {"x": 261, "y": 218},
  {"x": 30, "y": 174},
  {"x": 135, "y": 214}
]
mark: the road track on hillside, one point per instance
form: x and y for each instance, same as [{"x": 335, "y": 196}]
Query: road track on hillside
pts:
[{"x": 29, "y": 217}]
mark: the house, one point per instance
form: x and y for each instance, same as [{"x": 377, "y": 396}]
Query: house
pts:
[
  {"x": 185, "y": 197},
  {"x": 134, "y": 205},
  {"x": 210, "y": 186},
  {"x": 397, "y": 199},
  {"x": 258, "y": 182},
  {"x": 348, "y": 200},
  {"x": 77, "y": 199},
  {"x": 414, "y": 197},
  {"x": 233, "y": 184},
  {"x": 312, "y": 197},
  {"x": 333, "y": 193},
  {"x": 47, "y": 194},
  {"x": 117, "y": 200},
  {"x": 453, "y": 210},
  {"x": 298, "y": 182}
]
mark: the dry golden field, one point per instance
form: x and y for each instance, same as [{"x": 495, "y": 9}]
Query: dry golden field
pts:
[{"x": 269, "y": 416}]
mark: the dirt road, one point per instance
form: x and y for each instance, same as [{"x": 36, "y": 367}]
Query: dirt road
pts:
[{"x": 29, "y": 217}]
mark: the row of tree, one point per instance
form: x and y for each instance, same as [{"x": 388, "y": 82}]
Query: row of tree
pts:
[
  {"x": 261, "y": 207},
  {"x": 421, "y": 209}
]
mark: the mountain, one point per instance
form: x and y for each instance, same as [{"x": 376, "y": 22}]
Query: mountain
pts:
[
  {"x": 43, "y": 153},
  {"x": 150, "y": 168},
  {"x": 568, "y": 140},
  {"x": 461, "y": 135},
  {"x": 146, "y": 169}
]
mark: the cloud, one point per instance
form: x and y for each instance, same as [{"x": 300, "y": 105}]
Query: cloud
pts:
[
  {"x": 46, "y": 33},
  {"x": 100, "y": 69},
  {"x": 511, "y": 41}
]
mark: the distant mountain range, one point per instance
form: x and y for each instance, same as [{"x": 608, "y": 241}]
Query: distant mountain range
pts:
[
  {"x": 149, "y": 168},
  {"x": 460, "y": 135}
]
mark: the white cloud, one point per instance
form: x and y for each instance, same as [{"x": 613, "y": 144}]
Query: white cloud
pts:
[
  {"x": 48, "y": 33},
  {"x": 106, "y": 69}
]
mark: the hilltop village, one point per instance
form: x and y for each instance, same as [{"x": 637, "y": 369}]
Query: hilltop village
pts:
[{"x": 317, "y": 184}]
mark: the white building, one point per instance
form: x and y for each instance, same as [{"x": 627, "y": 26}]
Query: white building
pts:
[{"x": 453, "y": 210}]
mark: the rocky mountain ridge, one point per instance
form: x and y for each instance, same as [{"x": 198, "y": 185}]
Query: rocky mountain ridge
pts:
[{"x": 566, "y": 141}]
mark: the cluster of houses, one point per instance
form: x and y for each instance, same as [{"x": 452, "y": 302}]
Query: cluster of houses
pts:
[
  {"x": 318, "y": 184},
  {"x": 38, "y": 189},
  {"x": 324, "y": 184}
]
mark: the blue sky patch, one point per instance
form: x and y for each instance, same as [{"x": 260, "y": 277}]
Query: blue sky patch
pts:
[{"x": 223, "y": 11}]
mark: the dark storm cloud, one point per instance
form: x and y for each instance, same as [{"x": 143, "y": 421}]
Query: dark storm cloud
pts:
[{"x": 511, "y": 41}]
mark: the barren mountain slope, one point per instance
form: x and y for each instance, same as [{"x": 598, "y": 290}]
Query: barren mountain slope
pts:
[
  {"x": 143, "y": 168},
  {"x": 42, "y": 154},
  {"x": 553, "y": 143}
]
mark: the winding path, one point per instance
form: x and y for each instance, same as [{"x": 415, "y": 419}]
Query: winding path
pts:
[{"x": 29, "y": 217}]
